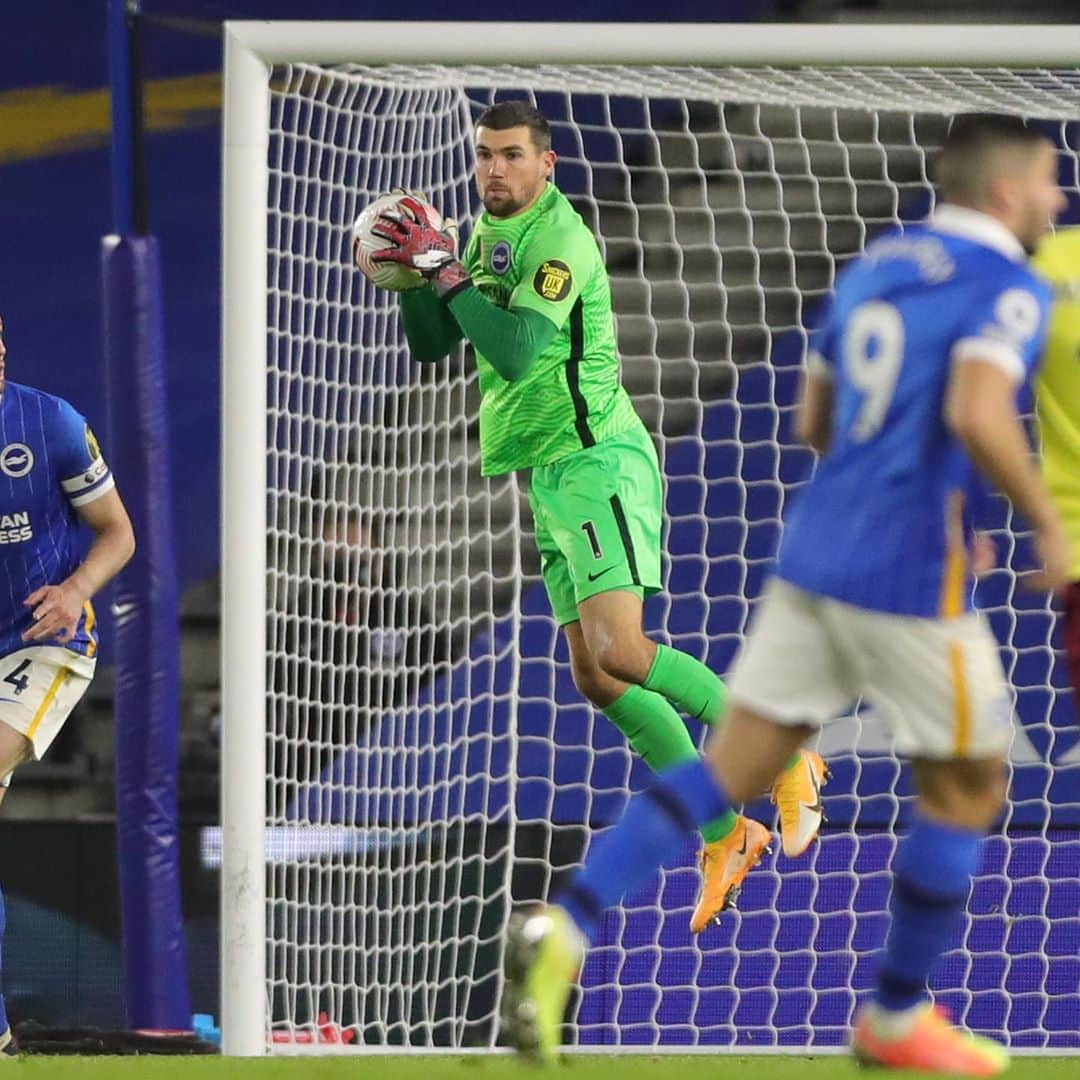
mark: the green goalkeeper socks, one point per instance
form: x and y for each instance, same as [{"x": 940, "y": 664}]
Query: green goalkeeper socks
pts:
[
  {"x": 719, "y": 828},
  {"x": 693, "y": 687},
  {"x": 657, "y": 733},
  {"x": 652, "y": 727},
  {"x": 688, "y": 683}
]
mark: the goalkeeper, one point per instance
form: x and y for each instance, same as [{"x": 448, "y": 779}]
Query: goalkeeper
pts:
[{"x": 532, "y": 295}]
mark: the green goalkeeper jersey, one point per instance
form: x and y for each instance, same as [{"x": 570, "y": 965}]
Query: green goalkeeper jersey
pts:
[{"x": 547, "y": 260}]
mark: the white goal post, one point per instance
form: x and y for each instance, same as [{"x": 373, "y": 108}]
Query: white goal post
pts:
[{"x": 289, "y": 299}]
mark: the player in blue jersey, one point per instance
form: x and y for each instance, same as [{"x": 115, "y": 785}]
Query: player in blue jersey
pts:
[
  {"x": 910, "y": 394},
  {"x": 52, "y": 476}
]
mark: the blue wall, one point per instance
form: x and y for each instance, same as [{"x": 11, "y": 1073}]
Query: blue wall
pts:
[{"x": 55, "y": 202}]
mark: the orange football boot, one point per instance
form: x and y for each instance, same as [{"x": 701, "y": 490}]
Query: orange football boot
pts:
[
  {"x": 724, "y": 864},
  {"x": 797, "y": 791},
  {"x": 931, "y": 1044}
]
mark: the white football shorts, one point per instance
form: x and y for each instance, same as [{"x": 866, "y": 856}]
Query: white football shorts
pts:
[
  {"x": 939, "y": 682},
  {"x": 39, "y": 686}
]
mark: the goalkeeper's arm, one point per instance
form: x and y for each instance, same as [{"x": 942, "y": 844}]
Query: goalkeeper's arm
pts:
[
  {"x": 510, "y": 340},
  {"x": 431, "y": 330}
]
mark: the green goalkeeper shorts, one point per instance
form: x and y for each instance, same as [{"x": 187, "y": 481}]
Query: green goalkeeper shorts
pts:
[{"x": 598, "y": 515}]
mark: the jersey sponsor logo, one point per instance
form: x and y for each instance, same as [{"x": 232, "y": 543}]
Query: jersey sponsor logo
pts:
[
  {"x": 500, "y": 257},
  {"x": 93, "y": 448},
  {"x": 15, "y": 528},
  {"x": 16, "y": 460},
  {"x": 553, "y": 280}
]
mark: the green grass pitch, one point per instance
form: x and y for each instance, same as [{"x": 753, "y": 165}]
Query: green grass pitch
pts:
[{"x": 584, "y": 1067}]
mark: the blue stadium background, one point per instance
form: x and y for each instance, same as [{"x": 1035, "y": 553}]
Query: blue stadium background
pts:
[{"x": 54, "y": 208}]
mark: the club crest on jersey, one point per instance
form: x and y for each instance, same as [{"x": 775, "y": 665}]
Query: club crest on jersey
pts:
[
  {"x": 553, "y": 280},
  {"x": 16, "y": 460},
  {"x": 500, "y": 257}
]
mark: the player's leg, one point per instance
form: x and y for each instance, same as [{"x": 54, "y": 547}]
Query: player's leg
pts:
[
  {"x": 41, "y": 685},
  {"x": 742, "y": 759},
  {"x": 654, "y": 730},
  {"x": 932, "y": 877},
  {"x": 627, "y": 519},
  {"x": 611, "y": 623},
  {"x": 546, "y": 948},
  {"x": 732, "y": 845},
  {"x": 611, "y": 628},
  {"x": 786, "y": 683},
  {"x": 651, "y": 725},
  {"x": 603, "y": 508},
  {"x": 15, "y": 748},
  {"x": 602, "y": 511},
  {"x": 950, "y": 709}
]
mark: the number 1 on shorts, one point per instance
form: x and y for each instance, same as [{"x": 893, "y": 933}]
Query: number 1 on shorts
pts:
[{"x": 589, "y": 529}]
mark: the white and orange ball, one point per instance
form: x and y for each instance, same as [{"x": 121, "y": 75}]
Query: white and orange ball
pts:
[{"x": 390, "y": 276}]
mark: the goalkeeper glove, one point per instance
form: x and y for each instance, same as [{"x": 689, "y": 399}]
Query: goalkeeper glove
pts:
[
  {"x": 449, "y": 225},
  {"x": 417, "y": 244}
]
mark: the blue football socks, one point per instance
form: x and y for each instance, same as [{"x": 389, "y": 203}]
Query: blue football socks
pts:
[
  {"x": 656, "y": 821},
  {"x": 932, "y": 876}
]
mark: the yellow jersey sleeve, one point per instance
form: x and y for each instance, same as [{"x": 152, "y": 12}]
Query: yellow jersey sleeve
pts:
[{"x": 1058, "y": 386}]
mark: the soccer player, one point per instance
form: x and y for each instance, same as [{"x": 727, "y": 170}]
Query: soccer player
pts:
[
  {"x": 1058, "y": 402},
  {"x": 910, "y": 388},
  {"x": 52, "y": 475},
  {"x": 532, "y": 295}
]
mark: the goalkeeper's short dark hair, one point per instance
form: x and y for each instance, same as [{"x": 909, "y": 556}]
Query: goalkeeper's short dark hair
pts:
[
  {"x": 512, "y": 114},
  {"x": 967, "y": 158}
]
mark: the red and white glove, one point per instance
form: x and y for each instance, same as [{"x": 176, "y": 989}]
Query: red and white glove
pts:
[{"x": 417, "y": 244}]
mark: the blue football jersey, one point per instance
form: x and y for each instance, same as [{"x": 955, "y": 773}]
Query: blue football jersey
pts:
[
  {"x": 884, "y": 522},
  {"x": 50, "y": 463}
]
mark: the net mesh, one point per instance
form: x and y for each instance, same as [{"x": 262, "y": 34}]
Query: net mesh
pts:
[{"x": 431, "y": 763}]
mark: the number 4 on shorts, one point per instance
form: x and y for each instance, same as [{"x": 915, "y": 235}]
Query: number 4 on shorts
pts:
[{"x": 17, "y": 679}]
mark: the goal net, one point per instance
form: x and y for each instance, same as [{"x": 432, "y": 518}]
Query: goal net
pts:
[{"x": 429, "y": 763}]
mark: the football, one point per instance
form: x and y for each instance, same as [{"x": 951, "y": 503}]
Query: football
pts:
[{"x": 364, "y": 242}]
